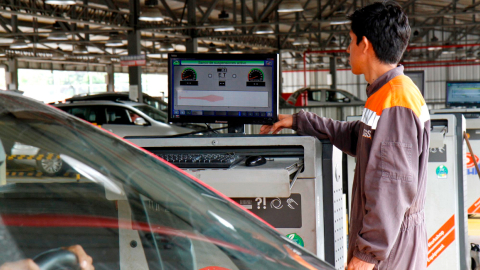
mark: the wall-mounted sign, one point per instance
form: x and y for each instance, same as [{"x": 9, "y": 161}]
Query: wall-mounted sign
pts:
[{"x": 133, "y": 60}]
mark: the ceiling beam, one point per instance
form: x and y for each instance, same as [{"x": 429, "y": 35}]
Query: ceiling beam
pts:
[
  {"x": 4, "y": 22},
  {"x": 169, "y": 11},
  {"x": 208, "y": 12},
  {"x": 408, "y": 4},
  {"x": 335, "y": 8},
  {"x": 110, "y": 4},
  {"x": 79, "y": 13}
]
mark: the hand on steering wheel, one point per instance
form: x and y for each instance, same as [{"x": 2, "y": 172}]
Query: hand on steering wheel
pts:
[
  {"x": 84, "y": 260},
  {"x": 57, "y": 258},
  {"x": 71, "y": 258}
]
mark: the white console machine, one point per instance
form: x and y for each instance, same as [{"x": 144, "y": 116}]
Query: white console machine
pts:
[{"x": 298, "y": 190}]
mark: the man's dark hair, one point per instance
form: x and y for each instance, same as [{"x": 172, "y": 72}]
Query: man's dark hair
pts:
[{"x": 385, "y": 26}]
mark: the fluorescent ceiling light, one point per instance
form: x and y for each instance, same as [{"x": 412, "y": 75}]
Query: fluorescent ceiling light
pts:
[
  {"x": 157, "y": 55},
  {"x": 60, "y": 2},
  {"x": 264, "y": 29},
  {"x": 289, "y": 7},
  {"x": 340, "y": 22},
  {"x": 166, "y": 47},
  {"x": 448, "y": 52},
  {"x": 151, "y": 15},
  {"x": 224, "y": 28},
  {"x": 18, "y": 44},
  {"x": 114, "y": 41},
  {"x": 57, "y": 36},
  {"x": 301, "y": 41}
]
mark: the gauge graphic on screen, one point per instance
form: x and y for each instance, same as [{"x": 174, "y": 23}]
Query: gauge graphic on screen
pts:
[
  {"x": 256, "y": 75},
  {"x": 189, "y": 74}
]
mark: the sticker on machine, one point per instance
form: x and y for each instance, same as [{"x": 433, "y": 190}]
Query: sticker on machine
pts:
[
  {"x": 278, "y": 212},
  {"x": 471, "y": 170},
  {"x": 296, "y": 238},
  {"x": 438, "y": 154},
  {"x": 441, "y": 172},
  {"x": 440, "y": 240}
]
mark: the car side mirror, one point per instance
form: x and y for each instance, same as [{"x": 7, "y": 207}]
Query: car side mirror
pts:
[
  {"x": 346, "y": 100},
  {"x": 140, "y": 122}
]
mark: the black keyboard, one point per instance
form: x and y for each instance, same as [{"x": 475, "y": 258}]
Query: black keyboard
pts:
[{"x": 202, "y": 160}]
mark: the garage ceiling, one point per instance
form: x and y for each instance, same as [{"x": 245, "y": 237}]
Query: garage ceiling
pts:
[{"x": 441, "y": 29}]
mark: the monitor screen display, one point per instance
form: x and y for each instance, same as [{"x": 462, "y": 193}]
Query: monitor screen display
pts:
[
  {"x": 418, "y": 77},
  {"x": 222, "y": 88},
  {"x": 465, "y": 93}
]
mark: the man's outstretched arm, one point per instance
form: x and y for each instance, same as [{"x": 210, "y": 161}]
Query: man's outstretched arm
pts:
[{"x": 342, "y": 134}]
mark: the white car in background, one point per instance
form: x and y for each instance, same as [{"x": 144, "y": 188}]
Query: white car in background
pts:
[{"x": 124, "y": 118}]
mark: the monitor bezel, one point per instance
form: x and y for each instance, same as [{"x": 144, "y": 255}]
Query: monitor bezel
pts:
[
  {"x": 453, "y": 104},
  {"x": 225, "y": 119},
  {"x": 422, "y": 90}
]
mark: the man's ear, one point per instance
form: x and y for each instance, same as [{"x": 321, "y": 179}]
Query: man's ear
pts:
[{"x": 367, "y": 43}]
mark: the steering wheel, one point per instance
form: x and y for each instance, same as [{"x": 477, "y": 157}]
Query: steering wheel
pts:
[{"x": 57, "y": 259}]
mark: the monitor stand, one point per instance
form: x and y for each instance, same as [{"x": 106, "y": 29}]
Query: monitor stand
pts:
[{"x": 236, "y": 128}]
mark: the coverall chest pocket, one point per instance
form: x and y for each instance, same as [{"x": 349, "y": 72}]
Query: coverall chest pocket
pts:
[{"x": 397, "y": 161}]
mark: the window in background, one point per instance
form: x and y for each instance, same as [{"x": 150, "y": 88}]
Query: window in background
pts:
[
  {"x": 51, "y": 86},
  {"x": 37, "y": 84},
  {"x": 333, "y": 96},
  {"x": 121, "y": 82},
  {"x": 155, "y": 85},
  {"x": 3, "y": 84}
]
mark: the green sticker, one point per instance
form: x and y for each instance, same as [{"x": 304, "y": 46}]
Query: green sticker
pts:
[
  {"x": 296, "y": 238},
  {"x": 442, "y": 172}
]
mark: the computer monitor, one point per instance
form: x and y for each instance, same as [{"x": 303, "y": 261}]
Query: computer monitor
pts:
[
  {"x": 223, "y": 88},
  {"x": 418, "y": 77},
  {"x": 463, "y": 93}
]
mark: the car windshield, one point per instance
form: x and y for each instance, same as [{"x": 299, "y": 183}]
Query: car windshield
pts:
[
  {"x": 65, "y": 182},
  {"x": 155, "y": 114}
]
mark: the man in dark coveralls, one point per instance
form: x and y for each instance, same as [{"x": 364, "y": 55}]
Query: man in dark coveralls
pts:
[{"x": 387, "y": 230}]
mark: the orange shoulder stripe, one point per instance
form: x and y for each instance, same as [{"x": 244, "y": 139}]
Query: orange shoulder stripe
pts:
[{"x": 398, "y": 92}]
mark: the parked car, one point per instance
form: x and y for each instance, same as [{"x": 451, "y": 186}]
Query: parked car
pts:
[
  {"x": 325, "y": 97},
  {"x": 124, "y": 118},
  {"x": 124, "y": 206},
  {"x": 155, "y": 102}
]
